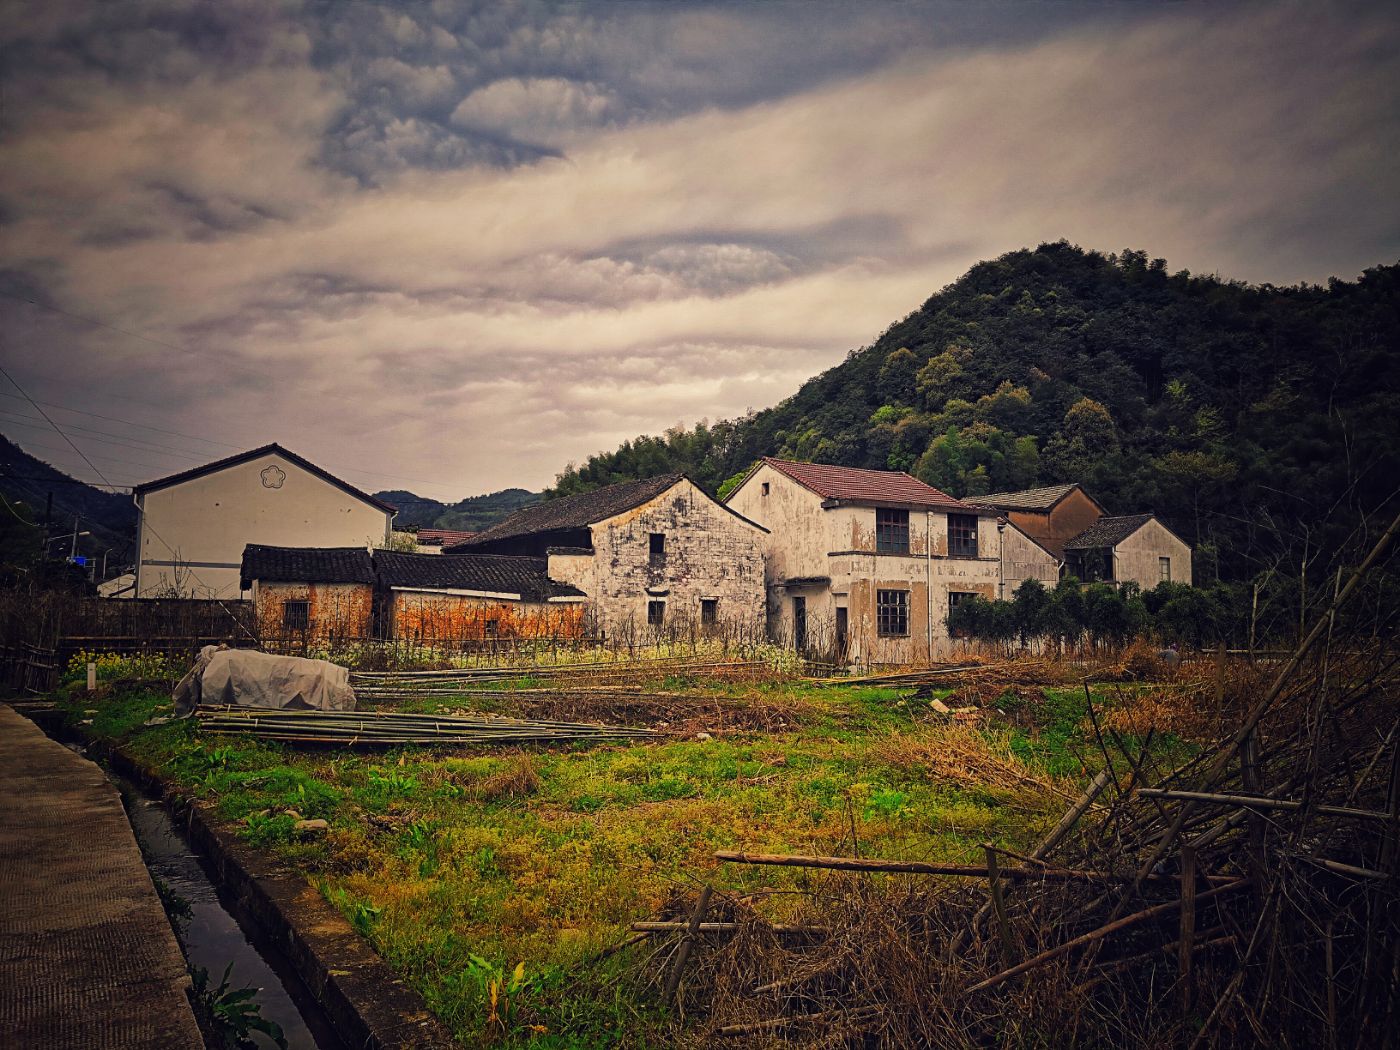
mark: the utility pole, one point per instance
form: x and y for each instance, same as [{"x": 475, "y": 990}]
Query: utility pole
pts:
[{"x": 73, "y": 547}]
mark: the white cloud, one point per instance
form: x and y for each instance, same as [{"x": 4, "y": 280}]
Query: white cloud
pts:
[{"x": 536, "y": 110}]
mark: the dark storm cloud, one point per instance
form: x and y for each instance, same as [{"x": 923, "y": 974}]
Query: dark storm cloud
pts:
[{"x": 469, "y": 243}]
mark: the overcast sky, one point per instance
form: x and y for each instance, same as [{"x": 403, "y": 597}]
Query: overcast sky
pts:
[{"x": 452, "y": 247}]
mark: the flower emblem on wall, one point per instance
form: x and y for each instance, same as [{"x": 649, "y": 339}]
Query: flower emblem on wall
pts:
[{"x": 273, "y": 476}]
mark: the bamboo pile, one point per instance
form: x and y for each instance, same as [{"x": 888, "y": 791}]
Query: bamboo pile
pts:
[
  {"x": 390, "y": 685},
  {"x": 388, "y": 728},
  {"x": 1250, "y": 897}
]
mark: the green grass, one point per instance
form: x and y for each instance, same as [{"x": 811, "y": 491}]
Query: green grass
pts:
[{"x": 518, "y": 866}]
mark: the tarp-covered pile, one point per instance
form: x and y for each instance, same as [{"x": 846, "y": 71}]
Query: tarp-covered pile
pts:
[{"x": 246, "y": 678}]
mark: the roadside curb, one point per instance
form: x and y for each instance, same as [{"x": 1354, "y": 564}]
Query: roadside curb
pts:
[{"x": 369, "y": 1007}]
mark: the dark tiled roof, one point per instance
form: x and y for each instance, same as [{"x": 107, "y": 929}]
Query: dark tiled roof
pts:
[
  {"x": 1027, "y": 499},
  {"x": 855, "y": 485},
  {"x": 1108, "y": 532},
  {"x": 306, "y": 565},
  {"x": 443, "y": 537},
  {"x": 244, "y": 457},
  {"x": 576, "y": 512},
  {"x": 500, "y": 574}
]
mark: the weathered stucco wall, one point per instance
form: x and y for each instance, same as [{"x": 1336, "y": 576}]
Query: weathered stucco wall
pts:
[
  {"x": 335, "y": 610},
  {"x": 1071, "y": 516},
  {"x": 710, "y": 554},
  {"x": 192, "y": 535},
  {"x": 1023, "y": 559},
  {"x": 425, "y": 616},
  {"x": 827, "y": 558},
  {"x": 1136, "y": 559}
]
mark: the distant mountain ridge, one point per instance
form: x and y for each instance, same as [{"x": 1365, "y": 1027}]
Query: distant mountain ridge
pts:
[
  {"x": 109, "y": 516},
  {"x": 472, "y": 514}
]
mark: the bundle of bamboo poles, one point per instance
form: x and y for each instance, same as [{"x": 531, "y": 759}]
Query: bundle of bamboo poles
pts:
[
  {"x": 1249, "y": 897},
  {"x": 369, "y": 729}
]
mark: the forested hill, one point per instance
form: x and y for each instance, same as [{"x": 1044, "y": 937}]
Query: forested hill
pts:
[{"x": 1229, "y": 409}]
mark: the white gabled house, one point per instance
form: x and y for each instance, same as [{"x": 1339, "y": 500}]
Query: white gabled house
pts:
[{"x": 193, "y": 526}]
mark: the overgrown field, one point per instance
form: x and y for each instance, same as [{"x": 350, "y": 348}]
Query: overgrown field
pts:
[{"x": 522, "y": 868}]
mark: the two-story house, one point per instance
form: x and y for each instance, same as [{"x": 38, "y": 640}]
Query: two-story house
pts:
[{"x": 865, "y": 564}]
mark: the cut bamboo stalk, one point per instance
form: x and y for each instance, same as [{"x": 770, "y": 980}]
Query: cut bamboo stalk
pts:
[
  {"x": 918, "y": 867},
  {"x": 697, "y": 916}
]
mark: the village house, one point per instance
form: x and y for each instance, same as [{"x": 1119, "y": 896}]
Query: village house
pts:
[
  {"x": 315, "y": 594},
  {"x": 1023, "y": 558},
  {"x": 194, "y": 525},
  {"x": 475, "y": 597},
  {"x": 1067, "y": 526},
  {"x": 865, "y": 564},
  {"x": 651, "y": 555},
  {"x": 1136, "y": 548},
  {"x": 1051, "y": 515}
]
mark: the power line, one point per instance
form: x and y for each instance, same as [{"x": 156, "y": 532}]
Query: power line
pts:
[
  {"x": 128, "y": 422},
  {"x": 92, "y": 321},
  {"x": 102, "y": 438}
]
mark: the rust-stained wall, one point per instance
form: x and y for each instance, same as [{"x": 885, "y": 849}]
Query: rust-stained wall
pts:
[
  {"x": 1023, "y": 559},
  {"x": 425, "y": 616},
  {"x": 336, "y": 610},
  {"x": 1066, "y": 520},
  {"x": 1136, "y": 559},
  {"x": 827, "y": 557},
  {"x": 710, "y": 553}
]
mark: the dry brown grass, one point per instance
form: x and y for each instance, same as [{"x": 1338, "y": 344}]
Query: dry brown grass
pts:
[
  {"x": 963, "y": 755},
  {"x": 520, "y": 778}
]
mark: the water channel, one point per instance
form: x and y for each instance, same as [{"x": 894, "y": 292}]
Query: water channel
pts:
[{"x": 212, "y": 937}]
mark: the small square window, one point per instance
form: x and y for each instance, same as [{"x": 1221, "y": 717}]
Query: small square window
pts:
[
  {"x": 296, "y": 615},
  {"x": 709, "y": 610},
  {"x": 891, "y": 530},
  {"x": 892, "y": 614},
  {"x": 962, "y": 535},
  {"x": 656, "y": 612},
  {"x": 1164, "y": 569},
  {"x": 491, "y": 627}
]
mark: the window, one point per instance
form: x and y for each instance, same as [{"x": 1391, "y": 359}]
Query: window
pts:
[
  {"x": 296, "y": 616},
  {"x": 1164, "y": 569},
  {"x": 962, "y": 535},
  {"x": 765, "y": 488},
  {"x": 956, "y": 598},
  {"x": 892, "y": 613},
  {"x": 656, "y": 612},
  {"x": 891, "y": 530},
  {"x": 709, "y": 610},
  {"x": 491, "y": 627},
  {"x": 658, "y": 548}
]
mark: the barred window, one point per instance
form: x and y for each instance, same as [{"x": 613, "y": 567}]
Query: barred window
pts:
[
  {"x": 709, "y": 610},
  {"x": 296, "y": 615},
  {"x": 962, "y": 535},
  {"x": 892, "y": 613},
  {"x": 656, "y": 612},
  {"x": 891, "y": 530}
]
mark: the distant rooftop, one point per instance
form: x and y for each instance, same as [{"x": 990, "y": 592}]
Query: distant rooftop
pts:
[
  {"x": 1027, "y": 499},
  {"x": 1108, "y": 532},
  {"x": 443, "y": 537},
  {"x": 305, "y": 565},
  {"x": 496, "y": 573},
  {"x": 857, "y": 485},
  {"x": 576, "y": 512}
]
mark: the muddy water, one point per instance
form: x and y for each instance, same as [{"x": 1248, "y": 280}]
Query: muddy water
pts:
[{"x": 212, "y": 937}]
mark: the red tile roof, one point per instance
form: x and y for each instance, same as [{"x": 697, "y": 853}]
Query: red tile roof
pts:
[
  {"x": 443, "y": 537},
  {"x": 854, "y": 485}
]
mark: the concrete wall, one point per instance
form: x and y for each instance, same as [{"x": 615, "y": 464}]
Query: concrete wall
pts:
[
  {"x": 337, "y": 610},
  {"x": 837, "y": 547},
  {"x": 191, "y": 536},
  {"x": 710, "y": 553},
  {"x": 428, "y": 615},
  {"x": 1023, "y": 559},
  {"x": 1066, "y": 520},
  {"x": 1137, "y": 557}
]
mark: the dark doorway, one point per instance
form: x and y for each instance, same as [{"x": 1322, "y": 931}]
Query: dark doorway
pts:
[
  {"x": 841, "y": 614},
  {"x": 799, "y": 623}
]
